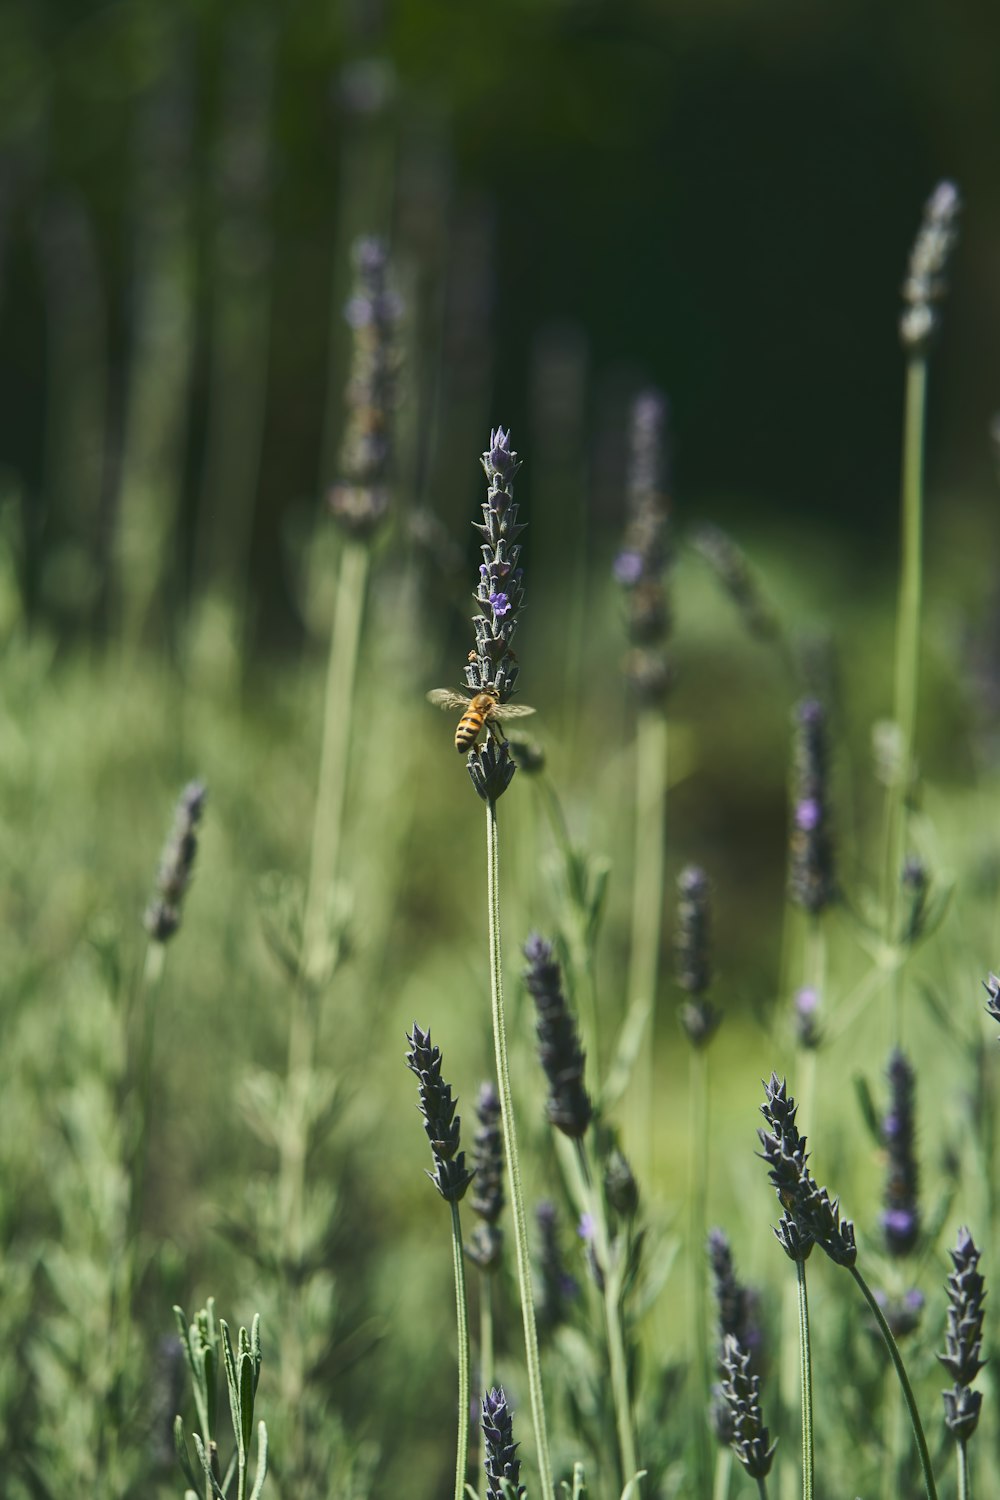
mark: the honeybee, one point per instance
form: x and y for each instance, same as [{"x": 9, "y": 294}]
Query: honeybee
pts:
[{"x": 482, "y": 711}]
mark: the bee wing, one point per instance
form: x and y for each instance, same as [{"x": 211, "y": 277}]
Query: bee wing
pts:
[
  {"x": 512, "y": 711},
  {"x": 445, "y": 698}
]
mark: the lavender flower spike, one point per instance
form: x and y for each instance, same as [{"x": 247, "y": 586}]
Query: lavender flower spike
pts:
[
  {"x": 901, "y": 1215},
  {"x": 992, "y": 988},
  {"x": 450, "y": 1175},
  {"x": 811, "y": 1216},
  {"x": 163, "y": 914},
  {"x": 699, "y": 1017},
  {"x": 741, "y": 1393},
  {"x": 492, "y": 668},
  {"x": 502, "y": 1462},
  {"x": 487, "y": 1199},
  {"x": 359, "y": 501},
  {"x": 924, "y": 287},
  {"x": 811, "y": 882},
  {"x": 964, "y": 1338},
  {"x": 568, "y": 1106}
]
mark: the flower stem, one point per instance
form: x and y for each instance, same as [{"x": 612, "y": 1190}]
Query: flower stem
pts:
[
  {"x": 805, "y": 1359},
  {"x": 964, "y": 1481},
  {"x": 697, "y": 1192},
  {"x": 911, "y": 1405},
  {"x": 907, "y": 665},
  {"x": 647, "y": 915},
  {"x": 610, "y": 1262},
  {"x": 531, "y": 1355},
  {"x": 464, "y": 1390},
  {"x": 486, "y": 1371},
  {"x": 723, "y": 1473}
]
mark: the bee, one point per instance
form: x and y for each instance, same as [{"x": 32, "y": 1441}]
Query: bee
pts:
[{"x": 478, "y": 713}]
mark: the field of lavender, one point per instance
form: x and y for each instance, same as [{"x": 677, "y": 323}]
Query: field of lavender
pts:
[
  {"x": 592, "y": 1089},
  {"x": 638, "y": 1001}
]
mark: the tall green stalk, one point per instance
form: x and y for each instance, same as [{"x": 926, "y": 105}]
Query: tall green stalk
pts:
[
  {"x": 531, "y": 1354},
  {"x": 462, "y": 1323},
  {"x": 964, "y": 1481},
  {"x": 648, "y": 897},
  {"x": 805, "y": 1382},
  {"x": 697, "y": 1199},
  {"x": 610, "y": 1261},
  {"x": 907, "y": 1389},
  {"x": 906, "y": 670}
]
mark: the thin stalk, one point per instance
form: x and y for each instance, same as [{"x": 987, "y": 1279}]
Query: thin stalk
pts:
[
  {"x": 893, "y": 1446},
  {"x": 908, "y": 1397},
  {"x": 647, "y": 916},
  {"x": 611, "y": 1270},
  {"x": 723, "y": 1473},
  {"x": 762, "y": 1489},
  {"x": 964, "y": 1480},
  {"x": 907, "y": 665},
  {"x": 697, "y": 1197},
  {"x": 486, "y": 1372},
  {"x": 531, "y": 1355},
  {"x": 120, "y": 1327},
  {"x": 464, "y": 1388},
  {"x": 805, "y": 1380}
]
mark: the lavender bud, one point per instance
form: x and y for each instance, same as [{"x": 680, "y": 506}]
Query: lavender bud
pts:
[
  {"x": 741, "y": 1392},
  {"x": 924, "y": 286},
  {"x": 359, "y": 501},
  {"x": 587, "y": 1230},
  {"x": 964, "y": 1337},
  {"x": 487, "y": 1164},
  {"x": 811, "y": 881},
  {"x": 163, "y": 914},
  {"x": 620, "y": 1186},
  {"x": 502, "y": 1462},
  {"x": 557, "y": 1288},
  {"x": 646, "y": 553},
  {"x": 691, "y": 944},
  {"x": 730, "y": 567},
  {"x": 903, "y": 1314},
  {"x": 992, "y": 988},
  {"x": 450, "y": 1176},
  {"x": 738, "y": 1313},
  {"x": 901, "y": 1214},
  {"x": 568, "y": 1105},
  {"x": 810, "y": 1213},
  {"x": 808, "y": 1032},
  {"x": 491, "y": 769}
]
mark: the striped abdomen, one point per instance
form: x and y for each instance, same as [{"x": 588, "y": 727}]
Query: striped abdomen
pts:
[{"x": 470, "y": 725}]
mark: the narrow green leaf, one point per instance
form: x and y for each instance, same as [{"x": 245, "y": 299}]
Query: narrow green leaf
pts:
[
  {"x": 180, "y": 1448},
  {"x": 261, "y": 1475},
  {"x": 869, "y": 1111},
  {"x": 248, "y": 1385},
  {"x": 632, "y": 1488},
  {"x": 232, "y": 1384}
]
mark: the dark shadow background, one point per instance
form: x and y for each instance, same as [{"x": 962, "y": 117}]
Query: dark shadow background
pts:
[{"x": 717, "y": 197}]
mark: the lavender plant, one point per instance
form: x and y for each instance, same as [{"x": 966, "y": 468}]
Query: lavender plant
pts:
[
  {"x": 206, "y": 1342},
  {"x": 963, "y": 1344},
  {"x": 642, "y": 568},
  {"x": 451, "y": 1177},
  {"x": 923, "y": 291}
]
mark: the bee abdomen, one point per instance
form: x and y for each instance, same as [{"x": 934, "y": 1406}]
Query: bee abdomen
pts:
[{"x": 469, "y": 726}]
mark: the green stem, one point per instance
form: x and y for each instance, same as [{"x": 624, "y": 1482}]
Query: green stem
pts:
[
  {"x": 609, "y": 1259},
  {"x": 964, "y": 1480},
  {"x": 697, "y": 1197},
  {"x": 723, "y": 1472},
  {"x": 464, "y": 1389},
  {"x": 805, "y": 1381},
  {"x": 338, "y": 722},
  {"x": 907, "y": 664},
  {"x": 762, "y": 1489},
  {"x": 531, "y": 1355},
  {"x": 911, "y": 1405},
  {"x": 647, "y": 915},
  {"x": 486, "y": 1372}
]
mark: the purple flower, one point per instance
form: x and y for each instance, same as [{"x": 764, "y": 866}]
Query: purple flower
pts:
[
  {"x": 627, "y": 568},
  {"x": 500, "y": 604},
  {"x": 807, "y": 814},
  {"x": 586, "y": 1228}
]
